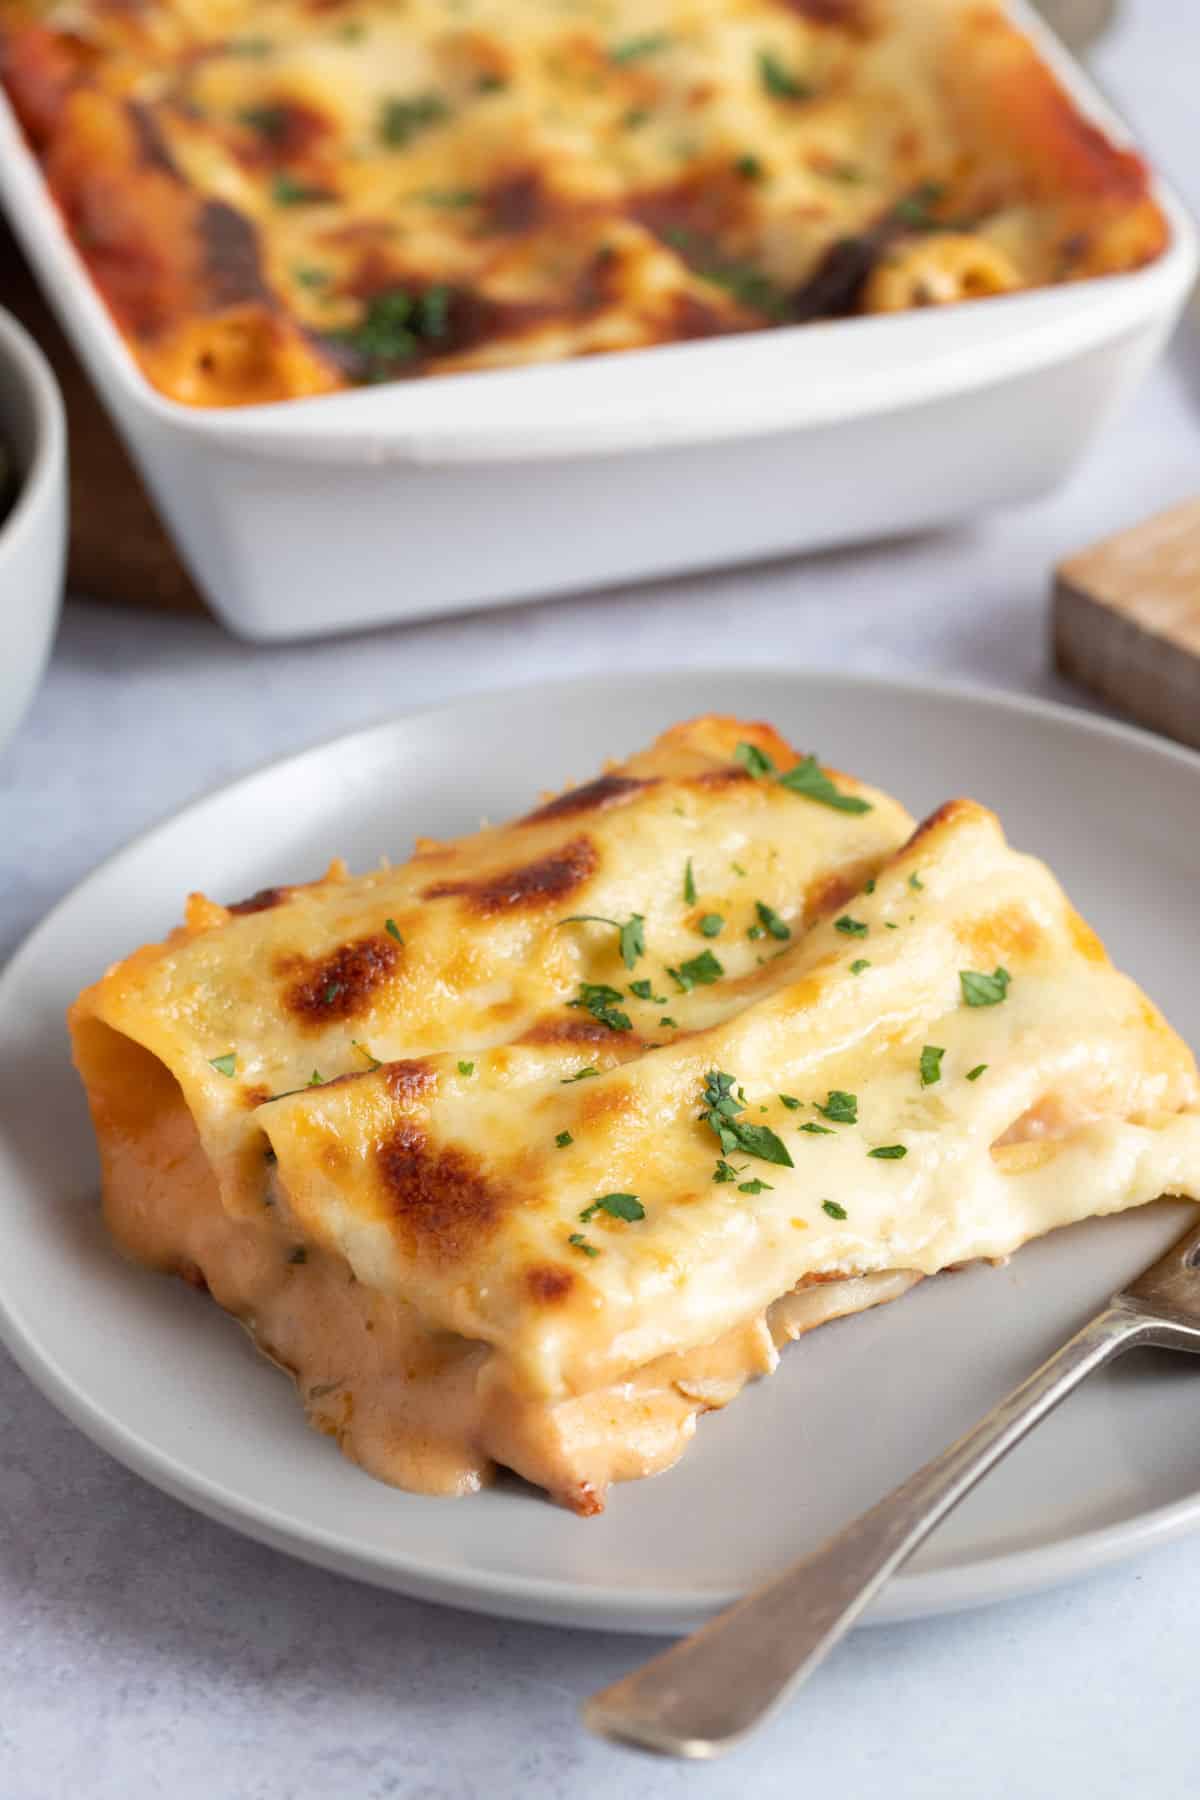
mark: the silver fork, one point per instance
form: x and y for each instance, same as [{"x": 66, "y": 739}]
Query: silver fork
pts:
[{"x": 704, "y": 1694}]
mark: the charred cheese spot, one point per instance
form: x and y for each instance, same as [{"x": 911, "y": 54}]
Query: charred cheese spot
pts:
[
  {"x": 255, "y": 1096},
  {"x": 441, "y": 1200},
  {"x": 607, "y": 1103},
  {"x": 546, "y": 881},
  {"x": 577, "y": 1031},
  {"x": 341, "y": 985},
  {"x": 1010, "y": 932},
  {"x": 409, "y": 1078},
  {"x": 829, "y": 893},
  {"x": 593, "y": 796},
  {"x": 548, "y": 1284},
  {"x": 262, "y": 901},
  {"x": 1086, "y": 941}
]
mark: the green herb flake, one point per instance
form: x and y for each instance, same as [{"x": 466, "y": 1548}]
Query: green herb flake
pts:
[
  {"x": 617, "y": 1206},
  {"x": 754, "y": 933},
  {"x": 833, "y": 1209},
  {"x": 808, "y": 779},
  {"x": 580, "y": 1075},
  {"x": 817, "y": 1130},
  {"x": 563, "y": 1139},
  {"x": 401, "y": 119},
  {"x": 287, "y": 191},
  {"x": 633, "y": 49},
  {"x": 984, "y": 990},
  {"x": 393, "y": 930},
  {"x": 720, "y": 1114},
  {"x": 756, "y": 761},
  {"x": 631, "y": 936},
  {"x": 772, "y": 922},
  {"x": 698, "y": 971},
  {"x": 373, "y": 1062},
  {"x": 724, "y": 1171},
  {"x": 931, "y": 1064},
  {"x": 466, "y": 1068},
  {"x": 669, "y": 1021},
  {"x": 711, "y": 925},
  {"x": 644, "y": 990},
  {"x": 316, "y": 1079},
  {"x": 870, "y": 887},
  {"x": 858, "y": 965},
  {"x": 840, "y": 1108},
  {"x": 577, "y": 1241},
  {"x": 778, "y": 80},
  {"x": 915, "y": 882},
  {"x": 755, "y": 1187},
  {"x": 889, "y": 1152},
  {"x": 850, "y": 927},
  {"x": 491, "y": 83},
  {"x": 749, "y": 168},
  {"x": 331, "y": 993},
  {"x": 791, "y": 1102},
  {"x": 601, "y": 1000},
  {"x": 916, "y": 209},
  {"x": 306, "y": 276},
  {"x": 689, "y": 884},
  {"x": 976, "y": 1072},
  {"x": 224, "y": 1065}
]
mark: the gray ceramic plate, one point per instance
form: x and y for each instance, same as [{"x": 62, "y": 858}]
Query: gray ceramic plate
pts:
[{"x": 170, "y": 1386}]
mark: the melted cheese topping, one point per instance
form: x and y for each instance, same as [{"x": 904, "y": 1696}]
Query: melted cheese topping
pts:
[
  {"x": 942, "y": 1058},
  {"x": 287, "y": 197}
]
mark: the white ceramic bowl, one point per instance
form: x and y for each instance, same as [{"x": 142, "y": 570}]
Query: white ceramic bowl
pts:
[
  {"x": 417, "y": 498},
  {"x": 33, "y": 535}
]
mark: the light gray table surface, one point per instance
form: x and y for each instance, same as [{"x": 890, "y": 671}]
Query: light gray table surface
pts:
[{"x": 145, "y": 1651}]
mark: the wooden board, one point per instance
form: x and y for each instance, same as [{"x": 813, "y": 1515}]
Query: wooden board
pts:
[
  {"x": 119, "y": 550},
  {"x": 1127, "y": 621}
]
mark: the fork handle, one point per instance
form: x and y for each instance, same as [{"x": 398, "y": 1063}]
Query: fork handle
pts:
[{"x": 702, "y": 1695}]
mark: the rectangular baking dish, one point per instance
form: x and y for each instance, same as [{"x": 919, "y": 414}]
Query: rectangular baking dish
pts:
[{"x": 469, "y": 490}]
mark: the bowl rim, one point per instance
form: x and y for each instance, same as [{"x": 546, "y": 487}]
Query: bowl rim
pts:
[{"x": 23, "y": 361}]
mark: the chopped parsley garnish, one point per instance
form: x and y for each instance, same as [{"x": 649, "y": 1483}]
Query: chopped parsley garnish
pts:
[
  {"x": 851, "y": 927},
  {"x": 298, "y": 1255},
  {"x": 451, "y": 197},
  {"x": 644, "y": 990},
  {"x": 720, "y": 1113},
  {"x": 755, "y": 1187},
  {"x": 915, "y": 210},
  {"x": 601, "y": 1001},
  {"x": 563, "y": 1139},
  {"x": 724, "y": 1171},
  {"x": 635, "y": 118},
  {"x": 579, "y": 1075},
  {"x": 754, "y": 933},
  {"x": 809, "y": 779},
  {"x": 373, "y": 1061},
  {"x": 617, "y": 1206},
  {"x": 711, "y": 925},
  {"x": 316, "y": 1079},
  {"x": 668, "y": 1020},
  {"x": 270, "y": 122},
  {"x": 840, "y": 1108},
  {"x": 889, "y": 1152},
  {"x": 984, "y": 990},
  {"x": 633, "y": 49},
  {"x": 287, "y": 191},
  {"x": 931, "y": 1064},
  {"x": 778, "y": 80},
  {"x": 396, "y": 326},
  {"x": 698, "y": 971},
  {"x": 870, "y": 886},
  {"x": 331, "y": 993},
  {"x": 577, "y": 1241},
  {"x": 224, "y": 1065},
  {"x": 976, "y": 1072},
  {"x": 817, "y": 1130},
  {"x": 737, "y": 868},
  {"x": 393, "y": 930},
  {"x": 756, "y": 761},
  {"x": 491, "y": 83},
  {"x": 791, "y": 1102},
  {"x": 749, "y": 168},
  {"x": 768, "y": 917},
  {"x": 858, "y": 965},
  {"x": 689, "y": 884},
  {"x": 833, "y": 1209},
  {"x": 402, "y": 119},
  {"x": 888, "y": 926},
  {"x": 914, "y": 881},
  {"x": 631, "y": 937},
  {"x": 309, "y": 277},
  {"x": 466, "y": 1068}
]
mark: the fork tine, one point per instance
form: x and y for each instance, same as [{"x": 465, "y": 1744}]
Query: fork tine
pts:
[{"x": 1173, "y": 1282}]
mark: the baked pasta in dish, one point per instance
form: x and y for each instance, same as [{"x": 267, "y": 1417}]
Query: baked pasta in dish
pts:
[
  {"x": 288, "y": 197},
  {"x": 529, "y": 1151}
]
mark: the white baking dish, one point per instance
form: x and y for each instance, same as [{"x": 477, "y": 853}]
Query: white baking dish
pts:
[{"x": 469, "y": 490}]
